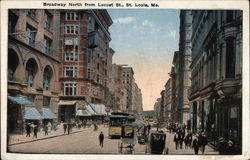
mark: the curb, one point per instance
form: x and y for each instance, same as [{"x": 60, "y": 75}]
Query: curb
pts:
[{"x": 45, "y": 138}]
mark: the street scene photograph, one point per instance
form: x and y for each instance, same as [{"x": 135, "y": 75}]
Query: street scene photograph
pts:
[{"x": 125, "y": 81}]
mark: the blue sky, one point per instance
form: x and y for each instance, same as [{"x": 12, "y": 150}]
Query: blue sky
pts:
[{"x": 146, "y": 39}]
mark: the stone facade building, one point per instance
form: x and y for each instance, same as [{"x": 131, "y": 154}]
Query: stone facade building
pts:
[
  {"x": 183, "y": 70},
  {"x": 216, "y": 90},
  {"x": 125, "y": 92},
  {"x": 136, "y": 100},
  {"x": 168, "y": 101},
  {"x": 127, "y": 80},
  {"x": 173, "y": 74},
  {"x": 117, "y": 89},
  {"x": 33, "y": 59},
  {"x": 86, "y": 56},
  {"x": 157, "y": 110}
]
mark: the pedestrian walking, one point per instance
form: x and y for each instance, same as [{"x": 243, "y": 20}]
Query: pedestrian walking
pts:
[
  {"x": 35, "y": 131},
  {"x": 49, "y": 127},
  {"x": 27, "y": 130},
  {"x": 32, "y": 127},
  {"x": 202, "y": 140},
  {"x": 176, "y": 141},
  {"x": 69, "y": 127},
  {"x": 189, "y": 140},
  {"x": 195, "y": 145},
  {"x": 46, "y": 128},
  {"x": 64, "y": 127},
  {"x": 101, "y": 139},
  {"x": 181, "y": 139},
  {"x": 95, "y": 127},
  {"x": 186, "y": 141}
]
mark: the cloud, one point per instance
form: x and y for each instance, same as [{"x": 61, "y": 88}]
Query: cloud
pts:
[
  {"x": 172, "y": 34},
  {"x": 147, "y": 23},
  {"x": 124, "y": 20},
  {"x": 146, "y": 27}
]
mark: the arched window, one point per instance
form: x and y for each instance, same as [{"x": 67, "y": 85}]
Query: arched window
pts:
[
  {"x": 47, "y": 75},
  {"x": 13, "y": 62},
  {"x": 31, "y": 69}
]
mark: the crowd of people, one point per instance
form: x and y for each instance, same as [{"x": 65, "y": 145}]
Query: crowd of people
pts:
[
  {"x": 32, "y": 128},
  {"x": 182, "y": 135}
]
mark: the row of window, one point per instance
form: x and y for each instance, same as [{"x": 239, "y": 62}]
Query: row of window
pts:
[
  {"x": 47, "y": 17},
  {"x": 71, "y": 56},
  {"x": 71, "y": 16},
  {"x": 71, "y": 29},
  {"x": 31, "y": 36},
  {"x": 46, "y": 100},
  {"x": 70, "y": 71},
  {"x": 201, "y": 76},
  {"x": 47, "y": 75},
  {"x": 69, "y": 88}
]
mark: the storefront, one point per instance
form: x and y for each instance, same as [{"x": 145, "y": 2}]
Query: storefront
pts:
[
  {"x": 48, "y": 116},
  {"x": 32, "y": 116},
  {"x": 67, "y": 111},
  {"x": 16, "y": 112}
]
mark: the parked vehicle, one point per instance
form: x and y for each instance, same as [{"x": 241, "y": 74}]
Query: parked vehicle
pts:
[{"x": 156, "y": 143}]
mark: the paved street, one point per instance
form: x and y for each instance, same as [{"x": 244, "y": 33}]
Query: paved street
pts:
[{"x": 86, "y": 141}]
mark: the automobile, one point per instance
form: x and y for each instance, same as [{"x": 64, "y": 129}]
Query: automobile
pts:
[{"x": 156, "y": 143}]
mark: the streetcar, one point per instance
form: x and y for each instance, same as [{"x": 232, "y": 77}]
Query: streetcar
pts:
[{"x": 116, "y": 120}]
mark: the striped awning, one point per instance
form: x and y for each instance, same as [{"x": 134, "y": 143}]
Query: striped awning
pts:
[
  {"x": 32, "y": 113},
  {"x": 19, "y": 100},
  {"x": 48, "y": 114},
  {"x": 83, "y": 113},
  {"x": 99, "y": 109}
]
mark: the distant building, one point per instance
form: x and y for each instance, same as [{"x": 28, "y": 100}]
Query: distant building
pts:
[
  {"x": 162, "y": 107},
  {"x": 216, "y": 90},
  {"x": 32, "y": 67},
  {"x": 137, "y": 108},
  {"x": 157, "y": 110},
  {"x": 117, "y": 89},
  {"x": 127, "y": 80},
  {"x": 173, "y": 109},
  {"x": 168, "y": 101}
]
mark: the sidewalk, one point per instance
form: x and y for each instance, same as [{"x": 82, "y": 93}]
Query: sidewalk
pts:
[
  {"x": 20, "y": 139},
  {"x": 171, "y": 145}
]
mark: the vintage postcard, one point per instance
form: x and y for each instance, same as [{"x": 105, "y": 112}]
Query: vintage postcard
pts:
[{"x": 125, "y": 80}]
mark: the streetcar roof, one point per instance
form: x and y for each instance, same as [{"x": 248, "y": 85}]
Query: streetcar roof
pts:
[
  {"x": 120, "y": 113},
  {"x": 118, "y": 116},
  {"x": 157, "y": 133}
]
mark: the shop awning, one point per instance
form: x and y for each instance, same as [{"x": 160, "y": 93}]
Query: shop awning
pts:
[
  {"x": 82, "y": 113},
  {"x": 32, "y": 113},
  {"x": 48, "y": 114},
  {"x": 98, "y": 108},
  {"x": 66, "y": 102},
  {"x": 90, "y": 110},
  {"x": 19, "y": 100}
]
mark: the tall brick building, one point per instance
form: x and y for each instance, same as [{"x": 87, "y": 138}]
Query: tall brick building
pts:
[{"x": 85, "y": 55}]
